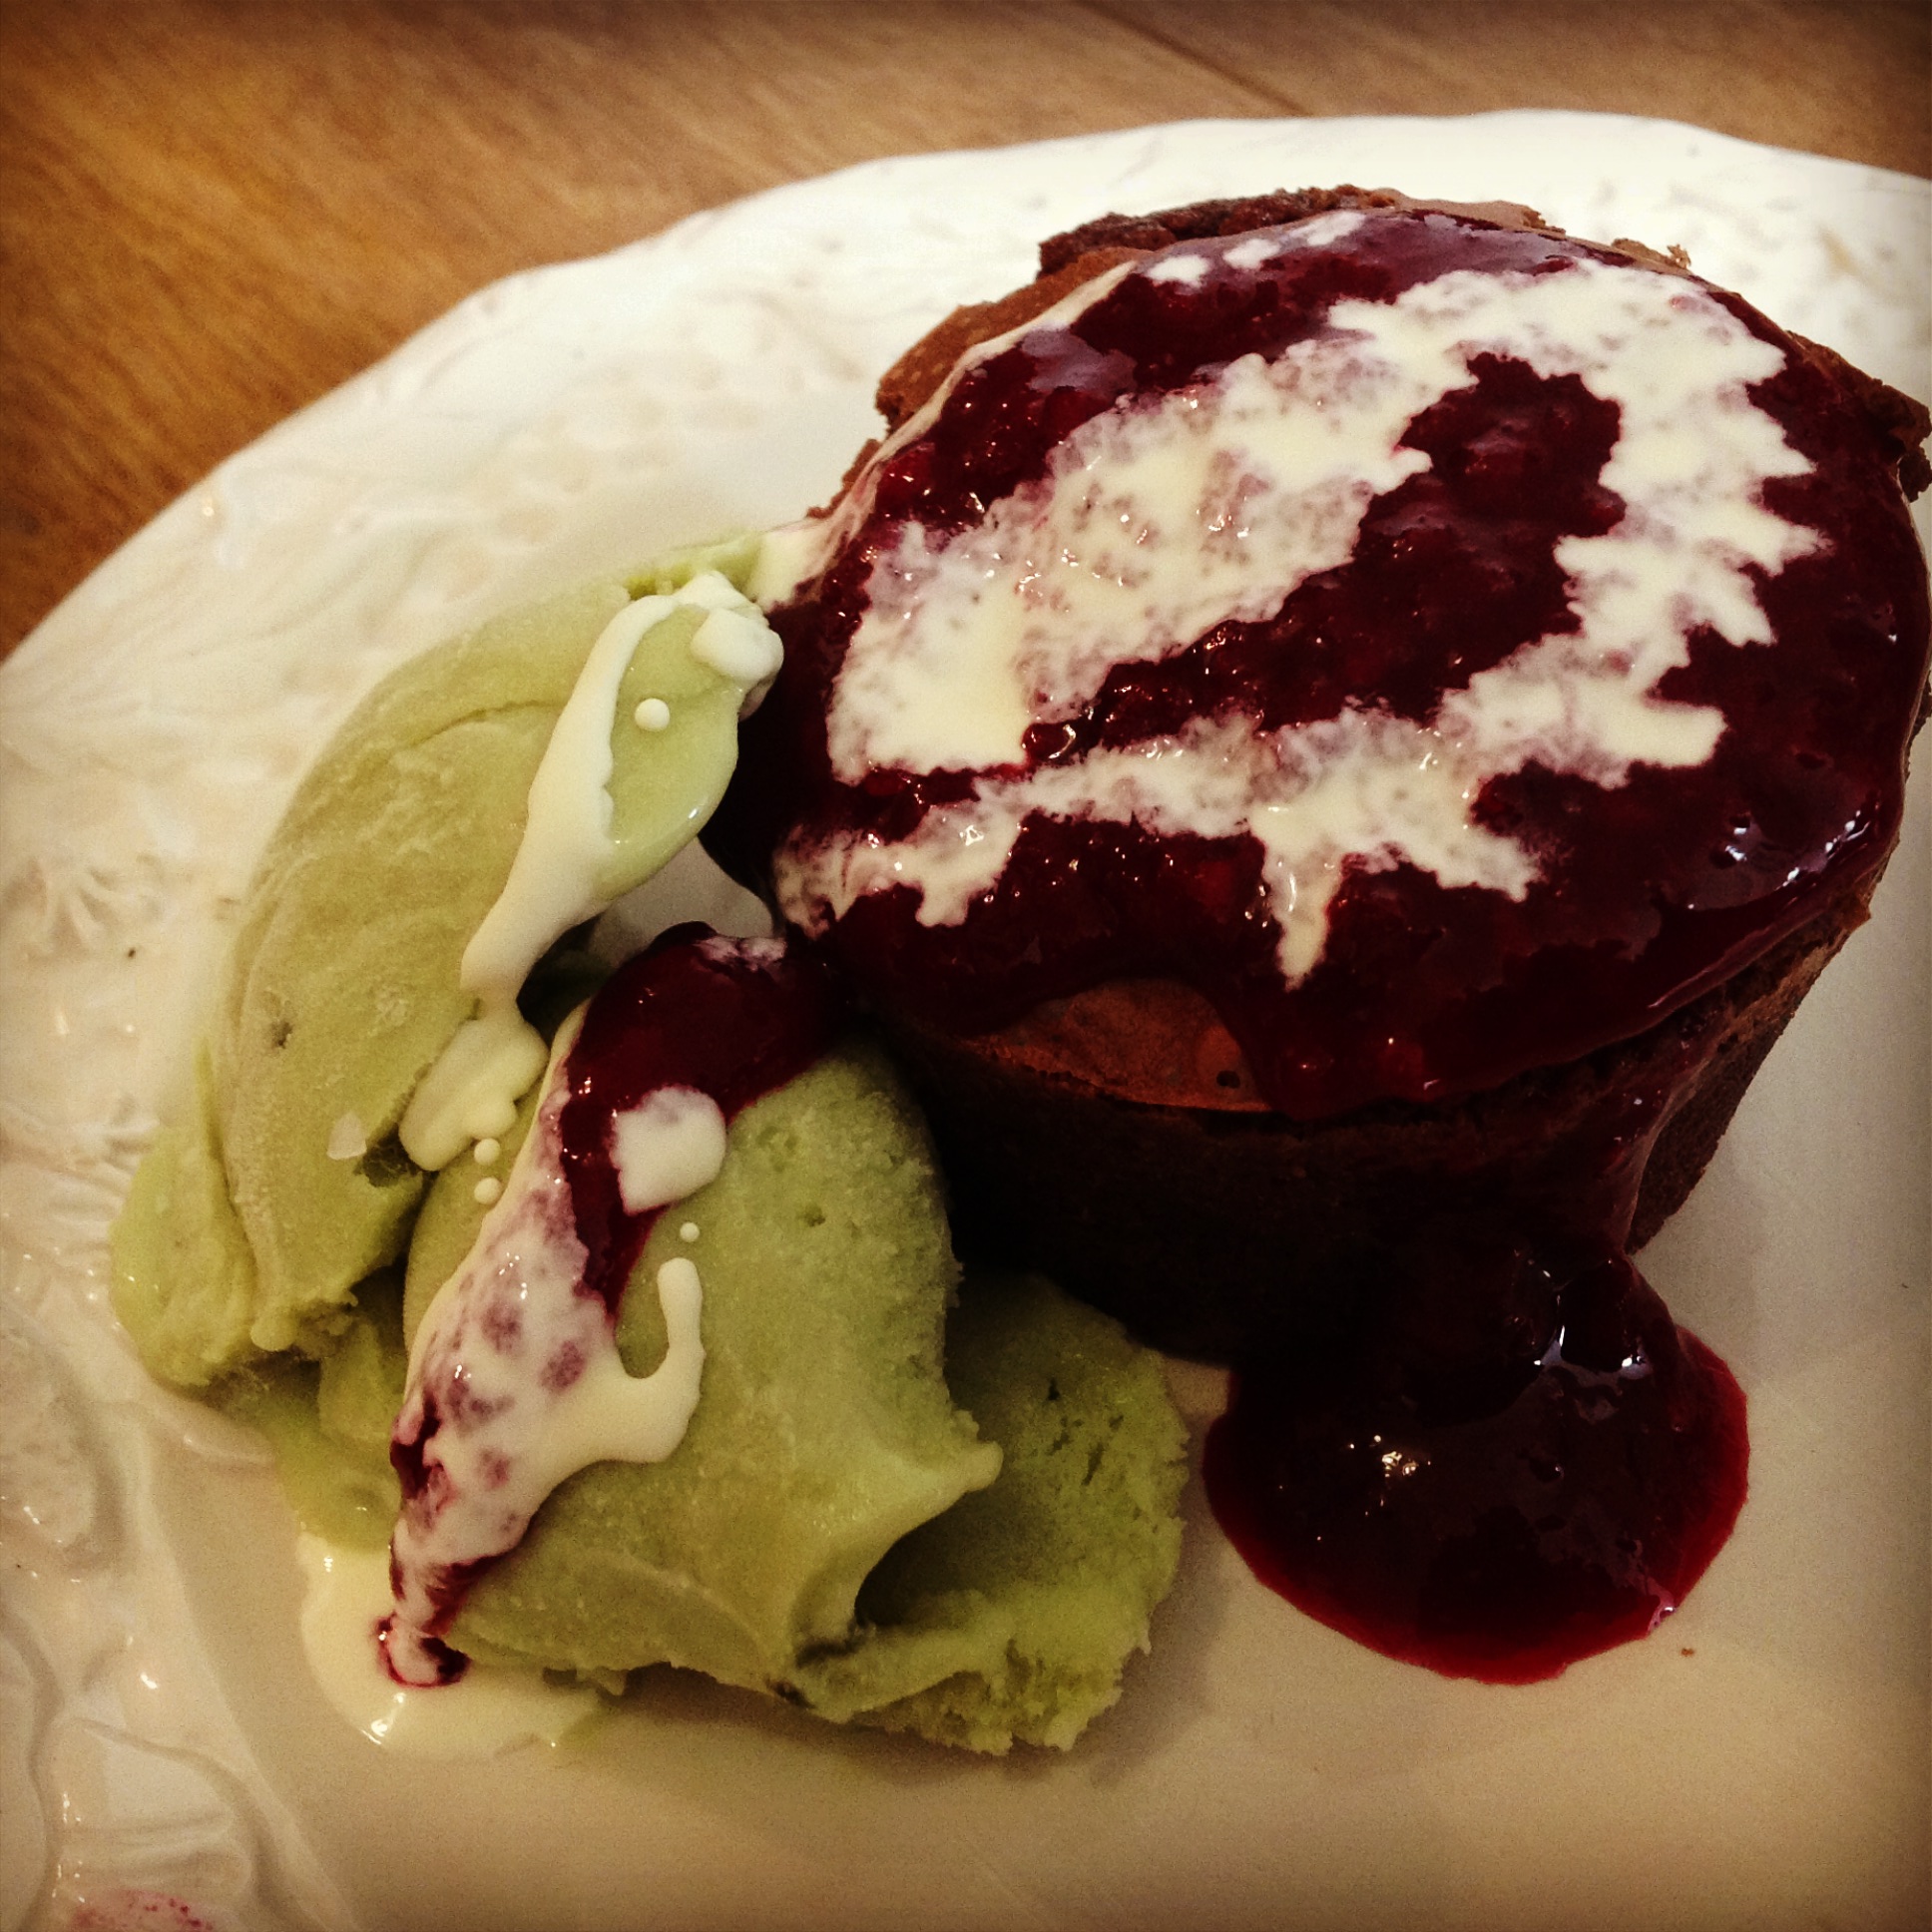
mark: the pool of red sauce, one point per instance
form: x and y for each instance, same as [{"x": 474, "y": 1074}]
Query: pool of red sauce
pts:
[
  {"x": 1502, "y": 1455},
  {"x": 1499, "y": 1454},
  {"x": 732, "y": 1018},
  {"x": 1491, "y": 1516}
]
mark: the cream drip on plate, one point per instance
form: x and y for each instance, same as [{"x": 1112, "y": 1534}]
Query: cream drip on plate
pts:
[
  {"x": 486, "y": 1710},
  {"x": 1161, "y": 518}
]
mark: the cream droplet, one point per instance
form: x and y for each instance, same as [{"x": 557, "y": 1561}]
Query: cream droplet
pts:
[
  {"x": 487, "y": 1150},
  {"x": 666, "y": 1146},
  {"x": 487, "y": 1190},
  {"x": 687, "y": 1232},
  {"x": 739, "y": 644},
  {"x": 652, "y": 715}
]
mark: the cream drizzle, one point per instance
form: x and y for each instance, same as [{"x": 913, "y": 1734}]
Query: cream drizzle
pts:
[
  {"x": 515, "y": 1382},
  {"x": 345, "y": 1598},
  {"x": 1159, "y": 521},
  {"x": 560, "y": 875}
]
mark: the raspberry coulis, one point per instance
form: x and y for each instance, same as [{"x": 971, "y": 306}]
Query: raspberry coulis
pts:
[
  {"x": 733, "y": 1019},
  {"x": 1545, "y": 1480},
  {"x": 1496, "y": 1453}
]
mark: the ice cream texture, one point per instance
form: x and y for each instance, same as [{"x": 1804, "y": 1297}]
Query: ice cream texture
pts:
[{"x": 834, "y": 1529}]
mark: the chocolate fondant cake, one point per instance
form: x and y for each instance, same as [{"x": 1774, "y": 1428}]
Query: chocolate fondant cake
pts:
[
  {"x": 1315, "y": 679},
  {"x": 1334, "y": 730}
]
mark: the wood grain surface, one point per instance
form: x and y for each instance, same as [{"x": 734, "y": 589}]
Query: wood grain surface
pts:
[{"x": 212, "y": 211}]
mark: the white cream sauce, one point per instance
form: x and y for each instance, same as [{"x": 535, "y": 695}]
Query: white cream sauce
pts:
[
  {"x": 471, "y": 1092},
  {"x": 1157, "y": 520},
  {"x": 520, "y": 1365},
  {"x": 786, "y": 557},
  {"x": 558, "y": 878}
]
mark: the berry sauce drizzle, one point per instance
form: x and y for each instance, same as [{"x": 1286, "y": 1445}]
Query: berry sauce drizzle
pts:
[
  {"x": 729, "y": 1019},
  {"x": 734, "y": 1019},
  {"x": 1502, "y": 1455},
  {"x": 1498, "y": 1517},
  {"x": 1648, "y": 890}
]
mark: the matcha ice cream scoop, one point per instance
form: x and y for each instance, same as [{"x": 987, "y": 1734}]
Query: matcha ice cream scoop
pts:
[
  {"x": 831, "y": 1529},
  {"x": 749, "y": 1462},
  {"x": 287, "y": 1184}
]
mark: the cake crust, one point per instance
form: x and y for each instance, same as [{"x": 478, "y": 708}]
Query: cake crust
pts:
[{"x": 1212, "y": 1230}]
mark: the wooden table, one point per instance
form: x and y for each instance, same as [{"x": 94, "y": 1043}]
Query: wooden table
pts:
[{"x": 212, "y": 211}]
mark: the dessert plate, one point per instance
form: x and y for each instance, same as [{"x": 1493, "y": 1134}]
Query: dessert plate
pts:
[{"x": 163, "y": 1757}]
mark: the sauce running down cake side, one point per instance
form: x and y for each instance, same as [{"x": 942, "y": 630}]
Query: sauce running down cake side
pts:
[{"x": 1334, "y": 732}]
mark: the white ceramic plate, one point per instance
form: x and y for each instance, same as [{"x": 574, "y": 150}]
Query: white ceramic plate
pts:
[{"x": 1762, "y": 1761}]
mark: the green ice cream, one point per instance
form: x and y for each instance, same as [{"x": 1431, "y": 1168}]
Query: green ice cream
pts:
[
  {"x": 833, "y": 1528},
  {"x": 827, "y": 1432}
]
